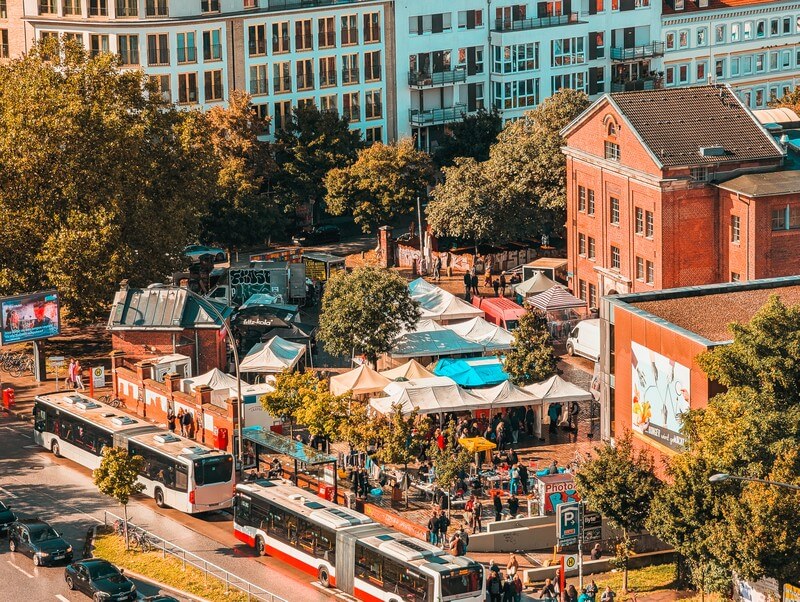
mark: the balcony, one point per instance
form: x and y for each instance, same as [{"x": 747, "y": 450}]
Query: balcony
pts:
[
  {"x": 327, "y": 79},
  {"x": 326, "y": 39},
  {"x": 157, "y": 56},
  {"x": 303, "y": 42},
  {"x": 305, "y": 81},
  {"x": 436, "y": 116},
  {"x": 212, "y": 52},
  {"x": 187, "y": 54},
  {"x": 127, "y": 10},
  {"x": 156, "y": 9},
  {"x": 372, "y": 34},
  {"x": 537, "y": 23},
  {"x": 257, "y": 47},
  {"x": 349, "y": 36},
  {"x": 372, "y": 74},
  {"x": 419, "y": 79},
  {"x": 652, "y": 82},
  {"x": 280, "y": 44},
  {"x": 638, "y": 52},
  {"x": 258, "y": 86},
  {"x": 281, "y": 85},
  {"x": 374, "y": 110},
  {"x": 349, "y": 76}
]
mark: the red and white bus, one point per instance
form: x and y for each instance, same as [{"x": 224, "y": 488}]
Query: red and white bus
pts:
[{"x": 347, "y": 549}]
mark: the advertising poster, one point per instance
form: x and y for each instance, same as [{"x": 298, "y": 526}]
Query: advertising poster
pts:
[
  {"x": 660, "y": 396},
  {"x": 29, "y": 317}
]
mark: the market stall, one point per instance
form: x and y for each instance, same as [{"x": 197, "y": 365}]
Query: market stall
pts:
[
  {"x": 439, "y": 305},
  {"x": 472, "y": 372},
  {"x": 411, "y": 369},
  {"x": 534, "y": 285},
  {"x": 430, "y": 346},
  {"x": 361, "y": 381},
  {"x": 434, "y": 395},
  {"x": 478, "y": 330},
  {"x": 272, "y": 357},
  {"x": 562, "y": 310}
]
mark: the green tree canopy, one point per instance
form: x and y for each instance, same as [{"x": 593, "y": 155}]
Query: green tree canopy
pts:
[
  {"x": 313, "y": 143},
  {"x": 383, "y": 183},
  {"x": 320, "y": 411},
  {"x": 449, "y": 462},
  {"x": 363, "y": 311},
  {"x": 471, "y": 137},
  {"x": 117, "y": 476},
  {"x": 531, "y": 358},
  {"x": 100, "y": 180}
]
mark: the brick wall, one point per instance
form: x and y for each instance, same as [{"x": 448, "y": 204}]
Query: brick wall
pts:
[
  {"x": 16, "y": 29},
  {"x": 139, "y": 345}
]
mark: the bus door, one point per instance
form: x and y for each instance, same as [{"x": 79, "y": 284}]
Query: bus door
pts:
[{"x": 345, "y": 559}]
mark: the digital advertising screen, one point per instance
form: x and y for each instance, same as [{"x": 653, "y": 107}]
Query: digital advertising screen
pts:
[{"x": 29, "y": 317}]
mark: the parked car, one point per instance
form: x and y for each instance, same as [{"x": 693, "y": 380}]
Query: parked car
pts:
[
  {"x": 194, "y": 252},
  {"x": 317, "y": 235},
  {"x": 6, "y": 519},
  {"x": 160, "y": 598},
  {"x": 37, "y": 539},
  {"x": 100, "y": 580}
]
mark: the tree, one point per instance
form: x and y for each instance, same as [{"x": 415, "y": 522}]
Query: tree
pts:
[
  {"x": 531, "y": 358},
  {"x": 99, "y": 178},
  {"x": 791, "y": 100},
  {"x": 241, "y": 210},
  {"x": 400, "y": 439},
  {"x": 312, "y": 143},
  {"x": 292, "y": 391},
  {"x": 470, "y": 138},
  {"x": 449, "y": 463},
  {"x": 528, "y": 166},
  {"x": 117, "y": 476},
  {"x": 465, "y": 206},
  {"x": 362, "y": 428},
  {"x": 363, "y": 311},
  {"x": 382, "y": 183},
  {"x": 619, "y": 484},
  {"x": 321, "y": 412}
]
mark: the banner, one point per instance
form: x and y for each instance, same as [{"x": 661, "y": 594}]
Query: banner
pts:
[{"x": 29, "y": 317}]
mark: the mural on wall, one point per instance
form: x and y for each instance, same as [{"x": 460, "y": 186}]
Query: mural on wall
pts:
[{"x": 660, "y": 396}]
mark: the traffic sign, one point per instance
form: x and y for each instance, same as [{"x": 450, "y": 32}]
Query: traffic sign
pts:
[
  {"x": 571, "y": 562},
  {"x": 568, "y": 522},
  {"x": 593, "y": 534}
]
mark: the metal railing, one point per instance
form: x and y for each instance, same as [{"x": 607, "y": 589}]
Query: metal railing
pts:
[
  {"x": 281, "y": 84},
  {"x": 158, "y": 56},
  {"x": 258, "y": 86},
  {"x": 326, "y": 39},
  {"x": 645, "y": 83},
  {"x": 303, "y": 42},
  {"x": 212, "y": 52},
  {"x": 187, "y": 54},
  {"x": 231, "y": 581},
  {"x": 436, "y": 116},
  {"x": 438, "y": 78},
  {"x": 638, "y": 52},
  {"x": 350, "y": 76},
  {"x": 534, "y": 23},
  {"x": 349, "y": 36},
  {"x": 327, "y": 79}
]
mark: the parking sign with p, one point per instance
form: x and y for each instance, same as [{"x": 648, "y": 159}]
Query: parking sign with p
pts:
[{"x": 568, "y": 522}]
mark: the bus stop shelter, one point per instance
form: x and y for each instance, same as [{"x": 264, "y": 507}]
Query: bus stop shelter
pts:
[{"x": 267, "y": 441}]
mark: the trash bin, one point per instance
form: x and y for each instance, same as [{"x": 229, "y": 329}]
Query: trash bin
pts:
[
  {"x": 8, "y": 398},
  {"x": 325, "y": 491}
]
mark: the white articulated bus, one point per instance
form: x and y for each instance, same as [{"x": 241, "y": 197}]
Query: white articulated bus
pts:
[
  {"x": 177, "y": 472},
  {"x": 348, "y": 550}
]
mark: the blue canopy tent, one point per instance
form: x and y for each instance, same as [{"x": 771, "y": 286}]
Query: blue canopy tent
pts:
[{"x": 472, "y": 372}]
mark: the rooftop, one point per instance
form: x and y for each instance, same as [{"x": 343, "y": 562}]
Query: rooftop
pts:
[
  {"x": 162, "y": 308},
  {"x": 676, "y": 123},
  {"x": 704, "y": 312},
  {"x": 690, "y": 6},
  {"x": 765, "y": 184}
]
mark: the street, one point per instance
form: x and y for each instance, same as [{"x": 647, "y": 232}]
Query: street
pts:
[{"x": 34, "y": 483}]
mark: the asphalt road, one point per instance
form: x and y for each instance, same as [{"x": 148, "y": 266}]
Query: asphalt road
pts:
[{"x": 36, "y": 484}]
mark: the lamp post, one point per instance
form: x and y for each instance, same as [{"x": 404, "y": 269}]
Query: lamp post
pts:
[
  {"x": 721, "y": 476},
  {"x": 206, "y": 304}
]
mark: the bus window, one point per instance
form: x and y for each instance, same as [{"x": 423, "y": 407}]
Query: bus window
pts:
[
  {"x": 306, "y": 536},
  {"x": 242, "y": 511},
  {"x": 326, "y": 545},
  {"x": 216, "y": 469},
  {"x": 40, "y": 419},
  {"x": 181, "y": 477},
  {"x": 400, "y": 579},
  {"x": 462, "y": 582},
  {"x": 369, "y": 565}
]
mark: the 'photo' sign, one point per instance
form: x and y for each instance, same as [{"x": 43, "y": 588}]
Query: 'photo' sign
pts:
[{"x": 29, "y": 317}]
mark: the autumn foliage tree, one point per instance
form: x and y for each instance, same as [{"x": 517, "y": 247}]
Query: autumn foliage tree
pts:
[{"x": 531, "y": 357}]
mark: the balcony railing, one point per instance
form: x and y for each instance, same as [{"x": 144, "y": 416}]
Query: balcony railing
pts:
[
  {"x": 281, "y": 84},
  {"x": 349, "y": 36},
  {"x": 327, "y": 79},
  {"x": 419, "y": 79},
  {"x": 212, "y": 52},
  {"x": 305, "y": 81},
  {"x": 127, "y": 10},
  {"x": 372, "y": 74},
  {"x": 372, "y": 34},
  {"x": 349, "y": 76},
  {"x": 156, "y": 8},
  {"x": 258, "y": 86},
  {"x": 374, "y": 110},
  {"x": 187, "y": 54},
  {"x": 535, "y": 23},
  {"x": 98, "y": 9},
  {"x": 638, "y": 52},
  {"x": 326, "y": 39},
  {"x": 280, "y": 44},
  {"x": 157, "y": 56},
  {"x": 353, "y": 112},
  {"x": 302, "y": 43},
  {"x": 644, "y": 83},
  {"x": 257, "y": 47},
  {"x": 436, "y": 116}
]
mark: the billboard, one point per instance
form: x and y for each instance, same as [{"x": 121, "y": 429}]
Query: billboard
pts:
[
  {"x": 660, "y": 396},
  {"x": 29, "y": 317}
]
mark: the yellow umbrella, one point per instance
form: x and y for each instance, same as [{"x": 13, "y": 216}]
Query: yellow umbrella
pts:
[{"x": 476, "y": 444}]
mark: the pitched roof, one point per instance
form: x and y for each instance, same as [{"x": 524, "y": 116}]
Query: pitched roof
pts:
[
  {"x": 675, "y": 123},
  {"x": 163, "y": 308},
  {"x": 765, "y": 184}
]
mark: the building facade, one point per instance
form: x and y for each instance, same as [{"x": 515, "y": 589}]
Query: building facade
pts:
[
  {"x": 665, "y": 189},
  {"x": 754, "y": 46}
]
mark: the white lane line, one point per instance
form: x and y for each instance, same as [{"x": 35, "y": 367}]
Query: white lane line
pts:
[
  {"x": 18, "y": 432},
  {"x": 6, "y": 492},
  {"x": 61, "y": 598},
  {"x": 21, "y": 570}
]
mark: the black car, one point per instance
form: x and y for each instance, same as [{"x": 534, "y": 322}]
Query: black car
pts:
[
  {"x": 39, "y": 540},
  {"x": 6, "y": 518},
  {"x": 99, "y": 579},
  {"x": 160, "y": 598},
  {"x": 317, "y": 235}
]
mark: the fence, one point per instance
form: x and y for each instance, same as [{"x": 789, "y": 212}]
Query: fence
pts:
[{"x": 230, "y": 580}]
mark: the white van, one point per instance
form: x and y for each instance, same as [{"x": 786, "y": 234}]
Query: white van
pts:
[{"x": 584, "y": 340}]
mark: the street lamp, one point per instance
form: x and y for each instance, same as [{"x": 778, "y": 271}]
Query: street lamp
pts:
[
  {"x": 207, "y": 304},
  {"x": 721, "y": 476}
]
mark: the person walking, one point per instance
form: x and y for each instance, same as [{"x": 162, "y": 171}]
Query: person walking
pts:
[
  {"x": 477, "y": 517},
  {"x": 513, "y": 506},
  {"x": 523, "y": 477},
  {"x": 464, "y": 537},
  {"x": 501, "y": 435},
  {"x": 494, "y": 587},
  {"x": 513, "y": 483},
  {"x": 186, "y": 424},
  {"x": 496, "y": 287},
  {"x": 508, "y": 589},
  {"x": 71, "y": 373},
  {"x": 444, "y": 524},
  {"x": 474, "y": 282},
  {"x": 180, "y": 422},
  {"x": 553, "y": 412},
  {"x": 498, "y": 506},
  {"x": 487, "y": 278},
  {"x": 574, "y": 412},
  {"x": 467, "y": 285},
  {"x": 518, "y": 587},
  {"x": 512, "y": 566},
  {"x": 437, "y": 268},
  {"x": 591, "y": 591},
  {"x": 469, "y": 510},
  {"x": 79, "y": 376},
  {"x": 433, "y": 528},
  {"x": 530, "y": 421},
  {"x": 548, "y": 591},
  {"x": 171, "y": 419},
  {"x": 572, "y": 593},
  {"x": 608, "y": 595},
  {"x": 503, "y": 284}
]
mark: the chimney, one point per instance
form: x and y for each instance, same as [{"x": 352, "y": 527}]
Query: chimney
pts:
[
  {"x": 172, "y": 381},
  {"x": 385, "y": 249},
  {"x": 202, "y": 394},
  {"x": 144, "y": 370}
]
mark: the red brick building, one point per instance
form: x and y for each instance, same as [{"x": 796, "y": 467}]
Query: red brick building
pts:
[
  {"x": 151, "y": 322},
  {"x": 649, "y": 368},
  {"x": 666, "y": 188}
]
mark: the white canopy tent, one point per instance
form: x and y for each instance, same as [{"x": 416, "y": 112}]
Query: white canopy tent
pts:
[
  {"x": 427, "y": 396},
  {"x": 276, "y": 355},
  {"x": 223, "y": 385},
  {"x": 424, "y": 325},
  {"x": 439, "y": 305},
  {"x": 478, "y": 330},
  {"x": 410, "y": 370},
  {"x": 557, "y": 390},
  {"x": 361, "y": 381},
  {"x": 434, "y": 343},
  {"x": 506, "y": 394},
  {"x": 538, "y": 283}
]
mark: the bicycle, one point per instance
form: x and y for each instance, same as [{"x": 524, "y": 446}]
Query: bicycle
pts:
[{"x": 22, "y": 365}]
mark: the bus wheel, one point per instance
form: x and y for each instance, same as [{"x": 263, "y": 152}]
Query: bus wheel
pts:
[
  {"x": 55, "y": 449},
  {"x": 260, "y": 546},
  {"x": 324, "y": 577},
  {"x": 158, "y": 495}
]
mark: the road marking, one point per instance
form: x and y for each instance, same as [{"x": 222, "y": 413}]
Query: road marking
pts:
[
  {"x": 21, "y": 570},
  {"x": 7, "y": 492},
  {"x": 61, "y": 598},
  {"x": 18, "y": 432}
]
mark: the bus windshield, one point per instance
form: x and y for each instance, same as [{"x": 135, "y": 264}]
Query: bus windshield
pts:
[
  {"x": 216, "y": 469},
  {"x": 463, "y": 581}
]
